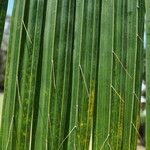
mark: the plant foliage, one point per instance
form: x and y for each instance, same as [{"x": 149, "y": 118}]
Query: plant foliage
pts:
[{"x": 73, "y": 75}]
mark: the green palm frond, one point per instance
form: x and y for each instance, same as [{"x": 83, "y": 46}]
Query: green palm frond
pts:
[{"x": 73, "y": 75}]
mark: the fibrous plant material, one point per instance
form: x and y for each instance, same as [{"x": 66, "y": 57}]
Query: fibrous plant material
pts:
[
  {"x": 71, "y": 72},
  {"x": 21, "y": 95},
  {"x": 147, "y": 4},
  {"x": 130, "y": 66},
  {"x": 86, "y": 45},
  {"x": 55, "y": 90},
  {"x": 103, "y": 98},
  {"x": 8, "y": 115},
  {"x": 118, "y": 74},
  {"x": 138, "y": 74},
  {"x": 3, "y": 10},
  {"x": 31, "y": 46}
]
